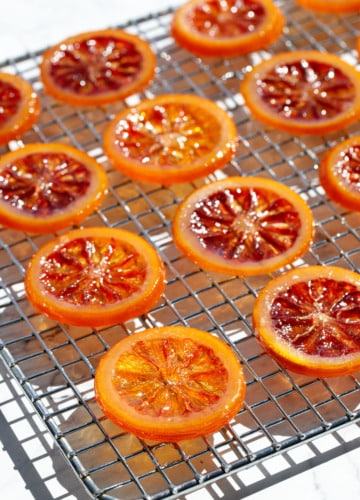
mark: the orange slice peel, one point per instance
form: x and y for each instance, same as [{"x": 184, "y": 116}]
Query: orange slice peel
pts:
[
  {"x": 339, "y": 173},
  {"x": 303, "y": 92},
  {"x": 230, "y": 28},
  {"x": 170, "y": 383},
  {"x": 171, "y": 139},
  {"x": 20, "y": 107},
  {"x": 95, "y": 68},
  {"x": 48, "y": 187},
  {"x": 95, "y": 277},
  {"x": 243, "y": 226},
  {"x": 308, "y": 320}
]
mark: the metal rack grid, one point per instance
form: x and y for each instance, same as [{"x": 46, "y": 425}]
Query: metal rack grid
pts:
[{"x": 55, "y": 364}]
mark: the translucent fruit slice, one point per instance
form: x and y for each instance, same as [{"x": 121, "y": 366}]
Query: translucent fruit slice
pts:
[
  {"x": 48, "y": 187},
  {"x": 97, "y": 67},
  {"x": 170, "y": 383},
  {"x": 308, "y": 319},
  {"x": 243, "y": 226},
  {"x": 19, "y": 107},
  {"x": 331, "y": 6},
  {"x": 227, "y": 27},
  {"x": 303, "y": 92},
  {"x": 339, "y": 173},
  {"x": 171, "y": 139},
  {"x": 95, "y": 277}
]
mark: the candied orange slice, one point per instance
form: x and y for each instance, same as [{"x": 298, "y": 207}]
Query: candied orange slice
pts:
[
  {"x": 339, "y": 173},
  {"x": 97, "y": 67},
  {"x": 95, "y": 277},
  {"x": 227, "y": 27},
  {"x": 171, "y": 139},
  {"x": 243, "y": 226},
  {"x": 170, "y": 383},
  {"x": 303, "y": 92},
  {"x": 19, "y": 107},
  {"x": 331, "y": 6},
  {"x": 48, "y": 187},
  {"x": 308, "y": 319}
]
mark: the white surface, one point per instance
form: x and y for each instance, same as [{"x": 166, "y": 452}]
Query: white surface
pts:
[
  {"x": 30, "y": 467},
  {"x": 34, "y": 24}
]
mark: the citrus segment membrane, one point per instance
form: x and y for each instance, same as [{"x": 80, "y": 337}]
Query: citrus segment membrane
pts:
[
  {"x": 170, "y": 383},
  {"x": 303, "y": 92},
  {"x": 171, "y": 139},
  {"x": 243, "y": 226},
  {"x": 95, "y": 277},
  {"x": 19, "y": 107},
  {"x": 97, "y": 67},
  {"x": 226, "y": 27},
  {"x": 339, "y": 173},
  {"x": 308, "y": 319},
  {"x": 48, "y": 187}
]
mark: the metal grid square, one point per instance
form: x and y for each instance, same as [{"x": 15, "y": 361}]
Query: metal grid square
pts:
[{"x": 55, "y": 364}]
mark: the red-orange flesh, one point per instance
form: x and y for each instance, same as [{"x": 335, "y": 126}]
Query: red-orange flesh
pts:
[
  {"x": 95, "y": 276},
  {"x": 19, "y": 109},
  {"x": 227, "y": 27},
  {"x": 48, "y": 187},
  {"x": 308, "y": 319},
  {"x": 303, "y": 92},
  {"x": 243, "y": 226},
  {"x": 170, "y": 383},
  {"x": 171, "y": 139},
  {"x": 97, "y": 67}
]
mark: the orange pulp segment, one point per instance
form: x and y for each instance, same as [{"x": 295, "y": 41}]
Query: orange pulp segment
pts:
[
  {"x": 97, "y": 67},
  {"x": 48, "y": 187},
  {"x": 170, "y": 383},
  {"x": 308, "y": 319},
  {"x": 171, "y": 139},
  {"x": 339, "y": 173},
  {"x": 96, "y": 277},
  {"x": 19, "y": 107},
  {"x": 243, "y": 226},
  {"x": 303, "y": 92},
  {"x": 227, "y": 27}
]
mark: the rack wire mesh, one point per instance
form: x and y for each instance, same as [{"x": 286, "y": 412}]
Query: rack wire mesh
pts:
[{"x": 55, "y": 364}]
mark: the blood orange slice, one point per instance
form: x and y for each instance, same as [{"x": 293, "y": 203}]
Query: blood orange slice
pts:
[
  {"x": 95, "y": 277},
  {"x": 331, "y": 6},
  {"x": 227, "y": 27},
  {"x": 19, "y": 107},
  {"x": 170, "y": 383},
  {"x": 48, "y": 187},
  {"x": 308, "y": 319},
  {"x": 97, "y": 67},
  {"x": 303, "y": 92},
  {"x": 170, "y": 139},
  {"x": 339, "y": 173},
  {"x": 243, "y": 226}
]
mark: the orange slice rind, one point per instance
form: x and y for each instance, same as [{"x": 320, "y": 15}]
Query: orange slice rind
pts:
[
  {"x": 171, "y": 139},
  {"x": 48, "y": 187},
  {"x": 170, "y": 383},
  {"x": 308, "y": 319},
  {"x": 97, "y": 67},
  {"x": 303, "y": 92},
  {"x": 95, "y": 276},
  {"x": 243, "y": 226},
  {"x": 226, "y": 28}
]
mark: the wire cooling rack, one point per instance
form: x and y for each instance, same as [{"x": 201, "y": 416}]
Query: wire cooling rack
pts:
[{"x": 55, "y": 364}]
